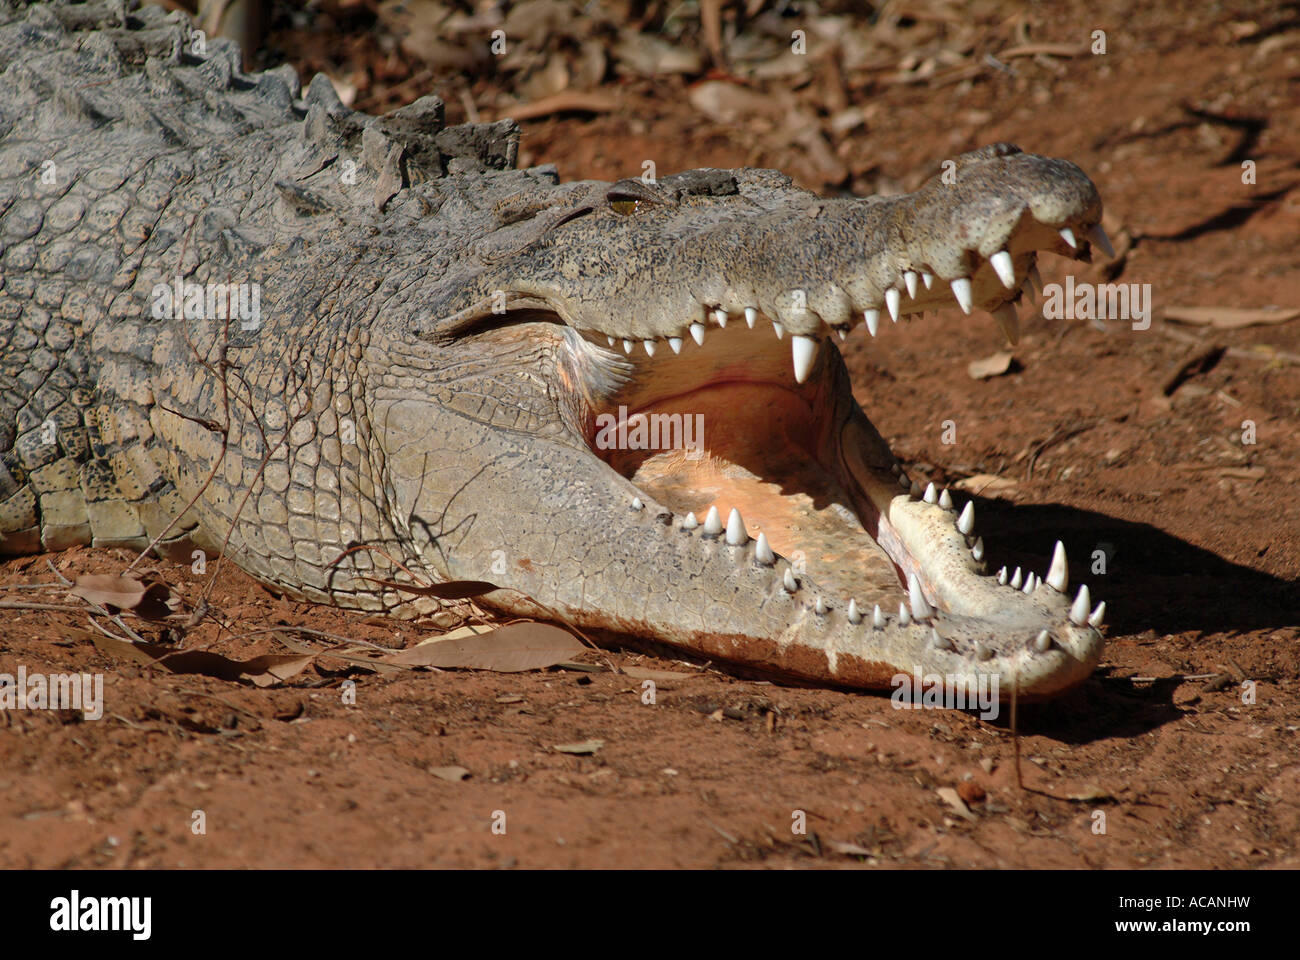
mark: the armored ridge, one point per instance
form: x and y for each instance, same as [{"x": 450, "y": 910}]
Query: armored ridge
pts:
[{"x": 239, "y": 317}]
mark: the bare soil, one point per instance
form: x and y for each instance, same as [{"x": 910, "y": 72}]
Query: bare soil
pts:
[{"x": 1181, "y": 751}]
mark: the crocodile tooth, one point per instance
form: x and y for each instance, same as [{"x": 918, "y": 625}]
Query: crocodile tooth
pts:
[
  {"x": 697, "y": 333},
  {"x": 904, "y": 482},
  {"x": 649, "y": 347},
  {"x": 921, "y": 609},
  {"x": 844, "y": 334},
  {"x": 1068, "y": 236},
  {"x": 892, "y": 299},
  {"x": 873, "y": 320},
  {"x": 1098, "y": 616},
  {"x": 1004, "y": 268},
  {"x": 1015, "y": 579},
  {"x": 713, "y": 522},
  {"x": 962, "y": 292},
  {"x": 1058, "y": 574},
  {"x": 720, "y": 317},
  {"x": 1043, "y": 642},
  {"x": 751, "y": 315},
  {"x": 1098, "y": 236},
  {"x": 690, "y": 523},
  {"x": 909, "y": 278},
  {"x": 877, "y": 619},
  {"x": 1035, "y": 279},
  {"x": 977, "y": 551},
  {"x": 737, "y": 535},
  {"x": 778, "y": 330},
  {"x": 1031, "y": 583},
  {"x": 1082, "y": 604},
  {"x": 610, "y": 339},
  {"x": 982, "y": 652},
  {"x": 805, "y": 352},
  {"x": 927, "y": 279},
  {"x": 1009, "y": 322},
  {"x": 1002, "y": 576},
  {"x": 763, "y": 551},
  {"x": 854, "y": 616},
  {"x": 904, "y": 618},
  {"x": 945, "y": 499},
  {"x": 788, "y": 582},
  {"x": 938, "y": 642},
  {"x": 636, "y": 503},
  {"x": 931, "y": 496},
  {"x": 966, "y": 522},
  {"x": 819, "y": 607},
  {"x": 627, "y": 347},
  {"x": 675, "y": 343}
]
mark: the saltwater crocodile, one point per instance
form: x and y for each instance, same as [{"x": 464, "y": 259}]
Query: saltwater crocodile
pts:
[{"x": 237, "y": 314}]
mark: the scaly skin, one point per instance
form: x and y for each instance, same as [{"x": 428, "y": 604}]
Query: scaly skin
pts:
[{"x": 433, "y": 359}]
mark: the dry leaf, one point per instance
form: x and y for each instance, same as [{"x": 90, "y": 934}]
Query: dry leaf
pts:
[
  {"x": 1088, "y": 794},
  {"x": 509, "y": 649},
  {"x": 581, "y": 749},
  {"x": 645, "y": 673},
  {"x": 848, "y": 849},
  {"x": 451, "y": 774},
  {"x": 1229, "y": 318},
  {"x": 950, "y": 797},
  {"x": 985, "y": 483},
  {"x": 570, "y": 101},
  {"x": 147, "y": 600},
  {"x": 992, "y": 366},
  {"x": 263, "y": 671}
]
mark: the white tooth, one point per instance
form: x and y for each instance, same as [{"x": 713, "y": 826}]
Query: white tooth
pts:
[
  {"x": 877, "y": 618},
  {"x": 1009, "y": 322},
  {"x": 737, "y": 535},
  {"x": 675, "y": 343},
  {"x": 1068, "y": 236},
  {"x": 1002, "y": 576},
  {"x": 713, "y": 522},
  {"x": 945, "y": 499},
  {"x": 1058, "y": 573},
  {"x": 1031, "y": 584},
  {"x": 853, "y": 614},
  {"x": 977, "y": 551},
  {"x": 927, "y": 279},
  {"x": 637, "y": 504},
  {"x": 930, "y": 495},
  {"x": 778, "y": 330},
  {"x": 788, "y": 582},
  {"x": 1004, "y": 268},
  {"x": 610, "y": 339},
  {"x": 904, "y": 482},
  {"x": 1043, "y": 642},
  {"x": 763, "y": 551},
  {"x": 909, "y": 278},
  {"x": 892, "y": 299},
  {"x": 697, "y": 333},
  {"x": 982, "y": 652},
  {"x": 962, "y": 292},
  {"x": 1082, "y": 604},
  {"x": 627, "y": 346},
  {"x": 938, "y": 642},
  {"x": 966, "y": 522},
  {"x": 690, "y": 523},
  {"x": 750, "y": 316},
  {"x": 1098, "y": 236},
  {"x": 844, "y": 334},
  {"x": 1035, "y": 279},
  {"x": 904, "y": 618},
  {"x": 1015, "y": 579},
  {"x": 720, "y": 317},
  {"x": 873, "y": 320},
  {"x": 921, "y": 608},
  {"x": 820, "y": 607},
  {"x": 1098, "y": 616},
  {"x": 649, "y": 347},
  {"x": 805, "y": 352}
]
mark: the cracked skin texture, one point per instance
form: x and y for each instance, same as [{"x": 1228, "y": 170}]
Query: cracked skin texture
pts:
[{"x": 430, "y": 358}]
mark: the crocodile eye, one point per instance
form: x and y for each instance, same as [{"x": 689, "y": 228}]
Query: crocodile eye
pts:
[{"x": 625, "y": 207}]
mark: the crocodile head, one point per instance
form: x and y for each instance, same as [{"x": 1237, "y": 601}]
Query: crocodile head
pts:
[{"x": 676, "y": 452}]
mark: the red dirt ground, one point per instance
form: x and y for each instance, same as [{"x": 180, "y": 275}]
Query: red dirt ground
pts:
[{"x": 1202, "y": 533}]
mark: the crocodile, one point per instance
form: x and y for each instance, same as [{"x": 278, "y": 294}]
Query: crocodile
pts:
[{"x": 354, "y": 353}]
